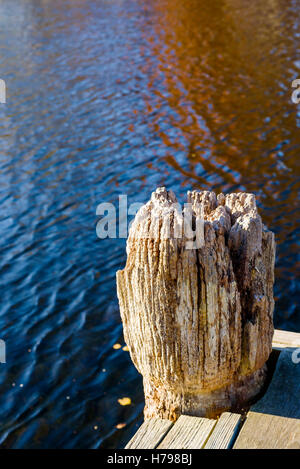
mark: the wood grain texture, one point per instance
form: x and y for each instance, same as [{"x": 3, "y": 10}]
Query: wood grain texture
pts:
[
  {"x": 197, "y": 315},
  {"x": 283, "y": 339},
  {"x": 274, "y": 421},
  {"x": 283, "y": 394},
  {"x": 224, "y": 432},
  {"x": 265, "y": 431},
  {"x": 188, "y": 433},
  {"x": 150, "y": 434}
]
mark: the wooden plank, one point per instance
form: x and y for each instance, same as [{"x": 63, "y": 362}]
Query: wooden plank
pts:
[
  {"x": 283, "y": 339},
  {"x": 283, "y": 394},
  {"x": 224, "y": 432},
  {"x": 188, "y": 433},
  {"x": 264, "y": 431},
  {"x": 274, "y": 421},
  {"x": 150, "y": 434}
]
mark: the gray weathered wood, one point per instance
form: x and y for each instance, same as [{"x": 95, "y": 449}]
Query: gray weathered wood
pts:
[
  {"x": 283, "y": 339},
  {"x": 274, "y": 421},
  {"x": 150, "y": 434},
  {"x": 264, "y": 431},
  {"x": 197, "y": 307},
  {"x": 188, "y": 433},
  {"x": 283, "y": 395},
  {"x": 224, "y": 432}
]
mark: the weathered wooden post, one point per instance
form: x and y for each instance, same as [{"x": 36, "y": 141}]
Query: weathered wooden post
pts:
[{"x": 198, "y": 313}]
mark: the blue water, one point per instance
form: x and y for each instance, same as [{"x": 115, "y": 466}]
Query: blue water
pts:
[{"x": 118, "y": 97}]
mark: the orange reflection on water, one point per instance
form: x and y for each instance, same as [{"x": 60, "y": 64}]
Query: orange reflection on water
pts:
[{"x": 219, "y": 99}]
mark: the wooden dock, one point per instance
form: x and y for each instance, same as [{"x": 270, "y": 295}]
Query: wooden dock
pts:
[{"x": 271, "y": 423}]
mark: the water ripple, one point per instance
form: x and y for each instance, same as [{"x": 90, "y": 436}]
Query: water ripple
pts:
[{"x": 106, "y": 98}]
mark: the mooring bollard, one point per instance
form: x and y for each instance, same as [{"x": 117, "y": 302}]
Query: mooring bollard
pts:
[{"x": 197, "y": 302}]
